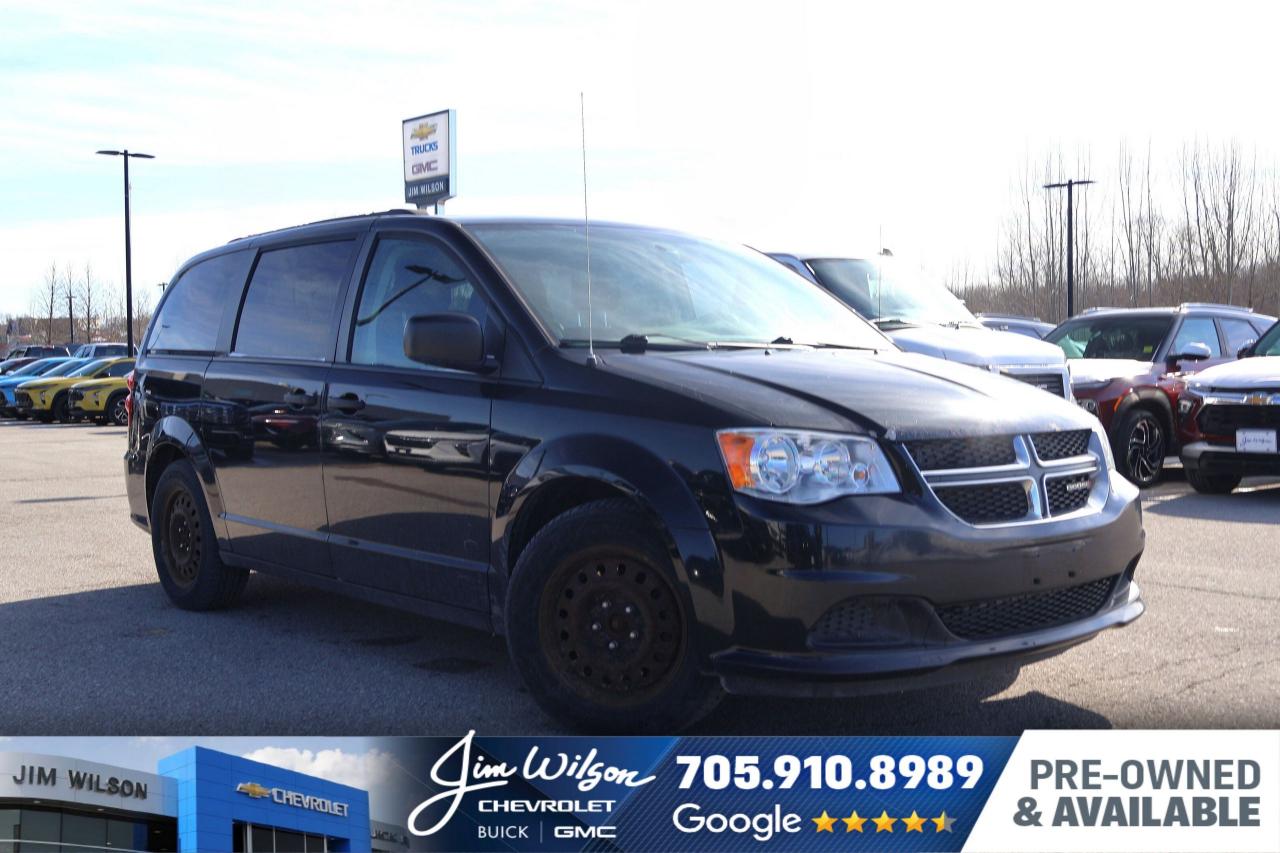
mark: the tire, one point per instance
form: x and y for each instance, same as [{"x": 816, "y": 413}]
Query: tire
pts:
[
  {"x": 58, "y": 411},
  {"x": 114, "y": 410},
  {"x": 598, "y": 629},
  {"x": 1207, "y": 483},
  {"x": 1141, "y": 442},
  {"x": 185, "y": 545}
]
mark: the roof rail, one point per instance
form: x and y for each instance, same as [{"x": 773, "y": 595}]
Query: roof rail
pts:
[
  {"x": 395, "y": 211},
  {"x": 1222, "y": 305}
]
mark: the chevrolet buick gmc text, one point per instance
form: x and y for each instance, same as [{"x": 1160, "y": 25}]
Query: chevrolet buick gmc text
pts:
[{"x": 710, "y": 475}]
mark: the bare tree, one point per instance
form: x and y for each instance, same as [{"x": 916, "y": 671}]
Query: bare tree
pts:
[
  {"x": 90, "y": 301},
  {"x": 45, "y": 300}
]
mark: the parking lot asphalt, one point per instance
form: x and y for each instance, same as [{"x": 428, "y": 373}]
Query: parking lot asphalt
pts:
[{"x": 89, "y": 645}]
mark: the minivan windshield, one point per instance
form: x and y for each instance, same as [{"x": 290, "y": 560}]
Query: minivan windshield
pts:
[
  {"x": 672, "y": 288},
  {"x": 887, "y": 292},
  {"x": 1116, "y": 336}
]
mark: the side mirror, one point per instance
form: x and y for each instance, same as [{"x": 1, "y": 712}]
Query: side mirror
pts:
[
  {"x": 1195, "y": 351},
  {"x": 451, "y": 340},
  {"x": 1246, "y": 350}
]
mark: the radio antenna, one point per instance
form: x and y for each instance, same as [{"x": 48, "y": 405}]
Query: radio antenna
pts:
[{"x": 586, "y": 233}]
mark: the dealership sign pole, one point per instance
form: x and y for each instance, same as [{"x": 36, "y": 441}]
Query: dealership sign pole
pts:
[{"x": 429, "y": 173}]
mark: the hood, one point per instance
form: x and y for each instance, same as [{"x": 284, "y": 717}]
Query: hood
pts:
[
  {"x": 1242, "y": 375},
  {"x": 980, "y": 346},
  {"x": 104, "y": 382},
  {"x": 891, "y": 394},
  {"x": 1092, "y": 370},
  {"x": 38, "y": 383}
]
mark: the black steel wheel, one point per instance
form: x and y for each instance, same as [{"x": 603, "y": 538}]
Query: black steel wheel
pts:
[
  {"x": 181, "y": 536},
  {"x": 612, "y": 627},
  {"x": 1143, "y": 447},
  {"x": 185, "y": 546},
  {"x": 599, "y": 629}
]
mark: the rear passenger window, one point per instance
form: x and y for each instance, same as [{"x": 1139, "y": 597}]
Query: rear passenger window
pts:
[
  {"x": 289, "y": 309},
  {"x": 407, "y": 278},
  {"x": 1239, "y": 333},
  {"x": 192, "y": 310}
]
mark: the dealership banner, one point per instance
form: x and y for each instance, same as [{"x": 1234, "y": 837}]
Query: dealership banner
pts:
[
  {"x": 1074, "y": 790},
  {"x": 1044, "y": 791}
]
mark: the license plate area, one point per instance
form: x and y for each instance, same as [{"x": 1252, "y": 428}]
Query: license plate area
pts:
[{"x": 1256, "y": 441}]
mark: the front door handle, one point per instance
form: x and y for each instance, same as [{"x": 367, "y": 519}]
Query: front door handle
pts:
[
  {"x": 298, "y": 397},
  {"x": 347, "y": 403}
]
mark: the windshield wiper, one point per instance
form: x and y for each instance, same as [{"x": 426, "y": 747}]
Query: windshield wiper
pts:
[{"x": 892, "y": 321}]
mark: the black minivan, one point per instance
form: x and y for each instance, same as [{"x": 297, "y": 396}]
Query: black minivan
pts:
[{"x": 661, "y": 466}]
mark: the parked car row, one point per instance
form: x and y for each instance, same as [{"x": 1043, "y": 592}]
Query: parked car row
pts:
[{"x": 66, "y": 389}]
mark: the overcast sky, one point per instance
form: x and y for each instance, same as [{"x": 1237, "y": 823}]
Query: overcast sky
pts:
[{"x": 780, "y": 124}]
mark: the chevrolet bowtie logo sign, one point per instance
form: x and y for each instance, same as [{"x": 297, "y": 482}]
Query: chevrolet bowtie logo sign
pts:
[
  {"x": 423, "y": 131},
  {"x": 293, "y": 798},
  {"x": 253, "y": 789}
]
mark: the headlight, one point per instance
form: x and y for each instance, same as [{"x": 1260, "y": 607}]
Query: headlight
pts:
[
  {"x": 804, "y": 467},
  {"x": 1187, "y": 403},
  {"x": 1107, "y": 455},
  {"x": 1088, "y": 404}
]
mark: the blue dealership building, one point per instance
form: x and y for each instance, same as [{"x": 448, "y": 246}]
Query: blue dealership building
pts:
[{"x": 197, "y": 800}]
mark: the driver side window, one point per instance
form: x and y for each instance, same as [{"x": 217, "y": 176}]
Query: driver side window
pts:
[
  {"x": 407, "y": 278},
  {"x": 1197, "y": 330}
]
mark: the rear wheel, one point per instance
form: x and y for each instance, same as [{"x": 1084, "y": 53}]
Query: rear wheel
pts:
[
  {"x": 1212, "y": 484},
  {"x": 186, "y": 547},
  {"x": 597, "y": 627},
  {"x": 1141, "y": 445}
]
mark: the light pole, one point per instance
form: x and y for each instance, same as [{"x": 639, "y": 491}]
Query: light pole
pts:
[
  {"x": 128, "y": 252},
  {"x": 1071, "y": 247}
]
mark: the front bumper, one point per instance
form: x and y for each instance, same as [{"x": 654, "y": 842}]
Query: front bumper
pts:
[
  {"x": 885, "y": 670},
  {"x": 1223, "y": 458},
  {"x": 900, "y": 568}
]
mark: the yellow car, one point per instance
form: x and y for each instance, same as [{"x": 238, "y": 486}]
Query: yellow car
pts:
[
  {"x": 102, "y": 399},
  {"x": 49, "y": 399}
]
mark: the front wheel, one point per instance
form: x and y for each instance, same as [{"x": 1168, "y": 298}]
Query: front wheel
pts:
[
  {"x": 59, "y": 410},
  {"x": 116, "y": 412},
  {"x": 1141, "y": 445},
  {"x": 186, "y": 547},
  {"x": 597, "y": 627},
  {"x": 1212, "y": 484}
]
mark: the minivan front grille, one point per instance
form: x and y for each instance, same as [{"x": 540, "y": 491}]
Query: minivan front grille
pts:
[
  {"x": 1018, "y": 614},
  {"x": 1051, "y": 446},
  {"x": 941, "y": 454},
  {"x": 1067, "y": 494},
  {"x": 1012, "y": 479},
  {"x": 987, "y": 503}
]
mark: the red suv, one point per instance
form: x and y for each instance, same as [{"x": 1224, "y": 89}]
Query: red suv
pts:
[{"x": 1125, "y": 364}]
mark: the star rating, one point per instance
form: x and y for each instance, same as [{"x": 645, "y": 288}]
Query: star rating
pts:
[{"x": 854, "y": 822}]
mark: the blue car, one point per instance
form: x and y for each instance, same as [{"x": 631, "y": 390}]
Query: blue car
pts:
[{"x": 55, "y": 366}]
